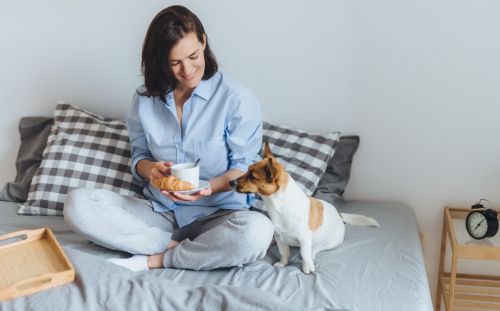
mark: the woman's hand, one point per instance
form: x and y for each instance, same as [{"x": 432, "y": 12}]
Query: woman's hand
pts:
[
  {"x": 216, "y": 185},
  {"x": 160, "y": 170},
  {"x": 180, "y": 197},
  {"x": 153, "y": 170}
]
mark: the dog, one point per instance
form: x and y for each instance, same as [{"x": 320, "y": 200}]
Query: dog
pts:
[{"x": 299, "y": 220}]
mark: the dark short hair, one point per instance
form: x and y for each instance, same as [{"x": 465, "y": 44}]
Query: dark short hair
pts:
[{"x": 167, "y": 28}]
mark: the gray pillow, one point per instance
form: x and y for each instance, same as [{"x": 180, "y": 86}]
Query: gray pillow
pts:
[
  {"x": 83, "y": 150},
  {"x": 332, "y": 185},
  {"x": 304, "y": 155},
  {"x": 34, "y": 132}
]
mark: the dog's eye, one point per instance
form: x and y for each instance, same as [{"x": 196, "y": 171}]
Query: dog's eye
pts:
[{"x": 251, "y": 177}]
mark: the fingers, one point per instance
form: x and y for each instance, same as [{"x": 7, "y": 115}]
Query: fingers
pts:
[
  {"x": 160, "y": 170},
  {"x": 167, "y": 166},
  {"x": 180, "y": 197},
  {"x": 186, "y": 197},
  {"x": 155, "y": 174},
  {"x": 205, "y": 192},
  {"x": 171, "y": 196},
  {"x": 164, "y": 167}
]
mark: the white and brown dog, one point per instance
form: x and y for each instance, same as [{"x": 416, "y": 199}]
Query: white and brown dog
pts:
[{"x": 299, "y": 220}]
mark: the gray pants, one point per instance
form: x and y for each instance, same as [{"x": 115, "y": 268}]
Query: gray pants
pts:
[{"x": 223, "y": 239}]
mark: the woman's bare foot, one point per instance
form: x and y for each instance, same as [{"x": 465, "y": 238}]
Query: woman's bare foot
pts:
[{"x": 156, "y": 261}]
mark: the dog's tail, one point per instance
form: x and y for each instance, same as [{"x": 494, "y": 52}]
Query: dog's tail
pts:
[{"x": 359, "y": 220}]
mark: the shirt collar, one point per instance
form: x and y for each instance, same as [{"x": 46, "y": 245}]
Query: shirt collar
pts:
[{"x": 203, "y": 90}]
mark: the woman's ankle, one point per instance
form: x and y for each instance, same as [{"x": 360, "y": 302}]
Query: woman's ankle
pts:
[{"x": 156, "y": 261}]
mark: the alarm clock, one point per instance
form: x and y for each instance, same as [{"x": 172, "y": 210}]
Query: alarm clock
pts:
[{"x": 481, "y": 223}]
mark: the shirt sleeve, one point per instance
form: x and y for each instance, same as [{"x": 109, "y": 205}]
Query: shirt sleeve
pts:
[
  {"x": 137, "y": 138},
  {"x": 244, "y": 131}
]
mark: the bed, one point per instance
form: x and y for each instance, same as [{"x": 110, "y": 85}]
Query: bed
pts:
[{"x": 374, "y": 269}]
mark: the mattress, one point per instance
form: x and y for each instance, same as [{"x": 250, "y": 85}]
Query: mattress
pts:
[{"x": 374, "y": 269}]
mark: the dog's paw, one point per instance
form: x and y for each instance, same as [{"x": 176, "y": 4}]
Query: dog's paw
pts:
[
  {"x": 279, "y": 264},
  {"x": 308, "y": 268},
  {"x": 313, "y": 268}
]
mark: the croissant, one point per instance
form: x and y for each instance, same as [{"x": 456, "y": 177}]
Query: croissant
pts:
[{"x": 172, "y": 183}]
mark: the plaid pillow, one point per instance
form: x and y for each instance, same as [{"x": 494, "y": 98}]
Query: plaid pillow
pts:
[
  {"x": 83, "y": 150},
  {"x": 304, "y": 155}
]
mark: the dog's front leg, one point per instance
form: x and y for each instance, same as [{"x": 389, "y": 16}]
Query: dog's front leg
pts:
[
  {"x": 306, "y": 253},
  {"x": 284, "y": 250}
]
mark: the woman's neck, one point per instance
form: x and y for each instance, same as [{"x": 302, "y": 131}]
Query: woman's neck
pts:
[
  {"x": 182, "y": 94},
  {"x": 180, "y": 97}
]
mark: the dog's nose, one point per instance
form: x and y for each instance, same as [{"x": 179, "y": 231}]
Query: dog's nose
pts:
[{"x": 233, "y": 183}]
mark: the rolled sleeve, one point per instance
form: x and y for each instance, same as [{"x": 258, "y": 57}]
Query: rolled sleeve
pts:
[
  {"x": 244, "y": 132},
  {"x": 138, "y": 143}
]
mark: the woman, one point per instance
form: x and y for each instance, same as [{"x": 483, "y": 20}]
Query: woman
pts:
[{"x": 187, "y": 110}]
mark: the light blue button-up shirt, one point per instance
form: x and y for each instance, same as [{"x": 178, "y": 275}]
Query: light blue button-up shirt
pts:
[{"x": 221, "y": 125}]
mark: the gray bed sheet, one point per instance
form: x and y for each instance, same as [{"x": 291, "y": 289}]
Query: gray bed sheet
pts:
[{"x": 374, "y": 269}]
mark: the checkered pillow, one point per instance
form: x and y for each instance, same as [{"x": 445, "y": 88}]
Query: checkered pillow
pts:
[
  {"x": 304, "y": 155},
  {"x": 83, "y": 150}
]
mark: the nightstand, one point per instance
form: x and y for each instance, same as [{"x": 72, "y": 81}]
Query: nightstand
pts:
[{"x": 466, "y": 291}]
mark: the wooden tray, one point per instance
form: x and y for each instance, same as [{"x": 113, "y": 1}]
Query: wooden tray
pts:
[{"x": 31, "y": 261}]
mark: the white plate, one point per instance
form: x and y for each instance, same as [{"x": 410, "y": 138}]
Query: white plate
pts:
[{"x": 202, "y": 184}]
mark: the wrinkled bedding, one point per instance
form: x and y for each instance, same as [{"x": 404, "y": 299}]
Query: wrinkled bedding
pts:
[{"x": 374, "y": 269}]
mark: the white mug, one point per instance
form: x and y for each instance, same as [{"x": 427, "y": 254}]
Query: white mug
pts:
[{"x": 187, "y": 172}]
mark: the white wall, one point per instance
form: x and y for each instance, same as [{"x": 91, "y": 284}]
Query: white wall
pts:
[{"x": 417, "y": 80}]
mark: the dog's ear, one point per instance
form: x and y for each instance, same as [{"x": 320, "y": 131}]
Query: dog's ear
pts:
[
  {"x": 267, "y": 151},
  {"x": 270, "y": 170}
]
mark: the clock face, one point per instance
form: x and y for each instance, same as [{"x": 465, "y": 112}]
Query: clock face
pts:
[{"x": 477, "y": 225}]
